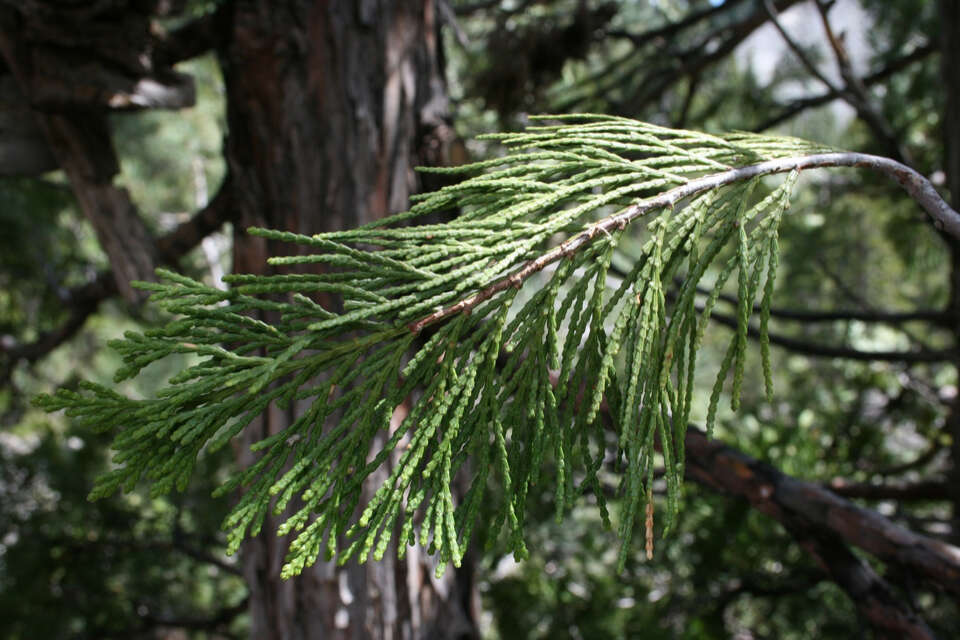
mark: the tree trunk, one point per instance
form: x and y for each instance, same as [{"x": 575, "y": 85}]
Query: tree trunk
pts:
[
  {"x": 330, "y": 105},
  {"x": 72, "y": 65}
]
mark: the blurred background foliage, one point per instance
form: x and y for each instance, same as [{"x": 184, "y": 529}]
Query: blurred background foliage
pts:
[
  {"x": 131, "y": 566},
  {"x": 134, "y": 566}
]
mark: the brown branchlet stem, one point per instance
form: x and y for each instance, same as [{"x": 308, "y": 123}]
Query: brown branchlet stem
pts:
[{"x": 918, "y": 187}]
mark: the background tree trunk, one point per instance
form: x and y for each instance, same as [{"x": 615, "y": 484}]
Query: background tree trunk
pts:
[
  {"x": 67, "y": 85},
  {"x": 330, "y": 106}
]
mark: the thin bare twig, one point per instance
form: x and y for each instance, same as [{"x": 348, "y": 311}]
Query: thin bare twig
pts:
[
  {"x": 842, "y": 315},
  {"x": 921, "y": 460},
  {"x": 923, "y": 490},
  {"x": 797, "y": 50},
  {"x": 84, "y": 300},
  {"x": 895, "y": 65},
  {"x": 853, "y": 91},
  {"x": 669, "y": 30},
  {"x": 856, "y": 94},
  {"x": 672, "y": 65},
  {"x": 847, "y": 353}
]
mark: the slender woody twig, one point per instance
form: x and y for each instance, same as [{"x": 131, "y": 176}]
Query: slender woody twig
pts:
[
  {"x": 893, "y": 66},
  {"x": 798, "y": 50},
  {"x": 858, "y": 96},
  {"x": 918, "y": 187}
]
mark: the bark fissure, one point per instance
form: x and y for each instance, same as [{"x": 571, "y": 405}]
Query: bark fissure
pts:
[{"x": 328, "y": 107}]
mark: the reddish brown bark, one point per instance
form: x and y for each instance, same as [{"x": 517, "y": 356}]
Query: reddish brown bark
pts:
[{"x": 330, "y": 105}]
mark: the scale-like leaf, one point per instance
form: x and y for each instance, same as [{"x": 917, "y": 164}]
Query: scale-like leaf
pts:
[{"x": 504, "y": 333}]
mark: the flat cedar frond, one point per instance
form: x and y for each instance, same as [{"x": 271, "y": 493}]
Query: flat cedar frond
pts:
[{"x": 446, "y": 319}]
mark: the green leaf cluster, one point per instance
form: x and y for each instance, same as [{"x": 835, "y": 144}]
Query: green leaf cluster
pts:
[{"x": 523, "y": 381}]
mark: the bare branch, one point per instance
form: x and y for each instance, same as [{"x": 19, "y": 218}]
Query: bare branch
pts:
[
  {"x": 671, "y": 66},
  {"x": 670, "y": 30},
  {"x": 143, "y": 546},
  {"x": 692, "y": 84},
  {"x": 853, "y": 92},
  {"x": 204, "y": 556},
  {"x": 213, "y": 623},
  {"x": 188, "y": 235},
  {"x": 761, "y": 586},
  {"x": 797, "y": 49},
  {"x": 856, "y": 94},
  {"x": 83, "y": 301},
  {"x": 936, "y": 446},
  {"x": 917, "y": 186},
  {"x": 894, "y": 66},
  {"x": 887, "y": 614},
  {"x": 841, "y": 315},
  {"x": 49, "y": 340},
  {"x": 847, "y": 353},
  {"x": 817, "y": 518},
  {"x": 817, "y": 511},
  {"x": 695, "y": 59},
  {"x": 924, "y": 490}
]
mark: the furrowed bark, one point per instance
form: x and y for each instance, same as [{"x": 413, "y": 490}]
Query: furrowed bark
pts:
[{"x": 330, "y": 106}]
